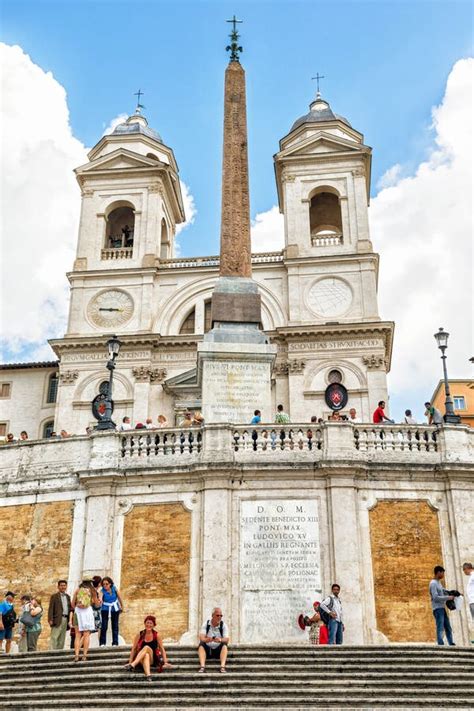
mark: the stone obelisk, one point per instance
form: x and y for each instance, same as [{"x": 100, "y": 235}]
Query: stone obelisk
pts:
[{"x": 235, "y": 359}]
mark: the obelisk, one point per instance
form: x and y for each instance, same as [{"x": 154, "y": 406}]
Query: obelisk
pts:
[{"x": 235, "y": 359}]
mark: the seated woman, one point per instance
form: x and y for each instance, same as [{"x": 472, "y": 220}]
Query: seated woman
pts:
[{"x": 147, "y": 650}]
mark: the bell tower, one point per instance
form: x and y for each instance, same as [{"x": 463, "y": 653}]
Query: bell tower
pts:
[{"x": 131, "y": 204}]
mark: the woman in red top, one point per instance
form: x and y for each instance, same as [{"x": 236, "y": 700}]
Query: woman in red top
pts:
[{"x": 148, "y": 650}]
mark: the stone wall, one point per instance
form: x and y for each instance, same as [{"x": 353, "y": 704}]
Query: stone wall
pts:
[
  {"x": 155, "y": 569},
  {"x": 406, "y": 545},
  {"x": 35, "y": 542}
]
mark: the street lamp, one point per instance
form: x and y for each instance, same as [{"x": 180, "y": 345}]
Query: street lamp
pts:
[
  {"x": 103, "y": 405},
  {"x": 442, "y": 341}
]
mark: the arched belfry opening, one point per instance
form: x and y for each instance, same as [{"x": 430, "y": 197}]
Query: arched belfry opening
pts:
[
  {"x": 121, "y": 226},
  {"x": 165, "y": 244},
  {"x": 325, "y": 218}
]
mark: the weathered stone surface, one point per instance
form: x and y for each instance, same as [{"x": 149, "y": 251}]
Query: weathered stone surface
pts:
[
  {"x": 35, "y": 542},
  {"x": 406, "y": 545},
  {"x": 155, "y": 569},
  {"x": 235, "y": 216}
]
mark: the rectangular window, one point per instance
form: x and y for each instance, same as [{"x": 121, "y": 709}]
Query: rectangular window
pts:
[
  {"x": 459, "y": 402},
  {"x": 5, "y": 390},
  {"x": 3, "y": 429},
  {"x": 52, "y": 388}
]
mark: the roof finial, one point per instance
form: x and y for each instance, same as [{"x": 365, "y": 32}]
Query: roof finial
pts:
[
  {"x": 140, "y": 106},
  {"x": 318, "y": 77},
  {"x": 234, "y": 47}
]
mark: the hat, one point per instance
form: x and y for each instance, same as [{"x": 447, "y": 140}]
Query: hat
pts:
[
  {"x": 301, "y": 623},
  {"x": 316, "y": 602},
  {"x": 10, "y": 593}
]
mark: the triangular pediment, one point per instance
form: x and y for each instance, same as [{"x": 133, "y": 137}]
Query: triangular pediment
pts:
[
  {"x": 120, "y": 159},
  {"x": 322, "y": 142},
  {"x": 185, "y": 380}
]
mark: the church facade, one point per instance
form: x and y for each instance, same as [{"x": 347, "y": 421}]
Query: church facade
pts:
[{"x": 318, "y": 295}]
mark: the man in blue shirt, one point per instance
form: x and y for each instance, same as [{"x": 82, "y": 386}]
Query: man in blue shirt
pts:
[
  {"x": 257, "y": 418},
  {"x": 6, "y": 630}
]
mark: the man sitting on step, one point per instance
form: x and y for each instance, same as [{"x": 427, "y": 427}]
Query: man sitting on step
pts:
[{"x": 213, "y": 641}]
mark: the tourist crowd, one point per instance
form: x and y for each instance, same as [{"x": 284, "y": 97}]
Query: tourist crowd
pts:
[{"x": 97, "y": 602}]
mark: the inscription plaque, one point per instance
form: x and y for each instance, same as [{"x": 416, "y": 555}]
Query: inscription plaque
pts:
[
  {"x": 233, "y": 389},
  {"x": 280, "y": 563}
]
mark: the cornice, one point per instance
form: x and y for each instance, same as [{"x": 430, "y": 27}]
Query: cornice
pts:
[{"x": 153, "y": 341}]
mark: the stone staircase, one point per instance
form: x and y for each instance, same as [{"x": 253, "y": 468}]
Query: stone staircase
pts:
[{"x": 391, "y": 677}]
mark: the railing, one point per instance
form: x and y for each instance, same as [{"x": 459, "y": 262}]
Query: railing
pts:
[
  {"x": 326, "y": 240},
  {"x": 213, "y": 261},
  {"x": 275, "y": 439},
  {"x": 400, "y": 438},
  {"x": 117, "y": 253},
  {"x": 160, "y": 443}
]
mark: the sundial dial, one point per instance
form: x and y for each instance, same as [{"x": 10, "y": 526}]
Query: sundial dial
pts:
[{"x": 330, "y": 297}]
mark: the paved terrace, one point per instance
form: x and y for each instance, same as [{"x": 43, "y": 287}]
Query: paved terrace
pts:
[{"x": 46, "y": 465}]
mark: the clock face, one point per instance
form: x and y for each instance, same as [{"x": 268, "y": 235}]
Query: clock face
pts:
[
  {"x": 110, "y": 308},
  {"x": 330, "y": 297}
]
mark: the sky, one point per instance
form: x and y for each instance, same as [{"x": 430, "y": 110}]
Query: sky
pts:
[{"x": 399, "y": 71}]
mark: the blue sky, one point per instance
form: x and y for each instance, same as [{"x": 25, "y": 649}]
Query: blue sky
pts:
[{"x": 385, "y": 63}]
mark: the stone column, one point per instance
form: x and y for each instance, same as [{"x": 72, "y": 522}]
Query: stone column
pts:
[{"x": 99, "y": 526}]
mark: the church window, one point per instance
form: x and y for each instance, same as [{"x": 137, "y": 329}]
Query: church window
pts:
[
  {"x": 48, "y": 429},
  {"x": 52, "y": 388},
  {"x": 165, "y": 252},
  {"x": 152, "y": 155},
  {"x": 334, "y": 376},
  {"x": 3, "y": 429},
  {"x": 325, "y": 219},
  {"x": 5, "y": 390},
  {"x": 189, "y": 323},
  {"x": 120, "y": 228},
  {"x": 207, "y": 316}
]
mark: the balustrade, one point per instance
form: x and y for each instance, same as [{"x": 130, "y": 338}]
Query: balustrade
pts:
[
  {"x": 274, "y": 440},
  {"x": 213, "y": 261},
  {"x": 368, "y": 438},
  {"x": 326, "y": 240},
  {"x": 162, "y": 442},
  {"x": 117, "y": 253}
]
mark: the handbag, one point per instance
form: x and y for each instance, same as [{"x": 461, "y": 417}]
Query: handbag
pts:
[{"x": 27, "y": 619}]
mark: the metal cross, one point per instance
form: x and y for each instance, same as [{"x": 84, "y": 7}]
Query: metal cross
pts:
[
  {"x": 318, "y": 77},
  {"x": 138, "y": 94},
  {"x": 234, "y": 22}
]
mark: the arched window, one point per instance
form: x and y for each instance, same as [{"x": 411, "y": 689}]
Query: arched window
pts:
[
  {"x": 48, "y": 429},
  {"x": 152, "y": 155},
  {"x": 52, "y": 388},
  {"x": 120, "y": 227},
  {"x": 325, "y": 219},
  {"x": 189, "y": 323},
  {"x": 164, "y": 241},
  {"x": 207, "y": 316}
]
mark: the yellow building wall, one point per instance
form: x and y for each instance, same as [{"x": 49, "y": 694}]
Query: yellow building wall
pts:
[{"x": 459, "y": 388}]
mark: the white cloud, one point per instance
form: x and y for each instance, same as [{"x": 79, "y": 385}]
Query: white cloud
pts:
[
  {"x": 114, "y": 123},
  {"x": 268, "y": 231},
  {"x": 40, "y": 200},
  {"x": 423, "y": 228},
  {"x": 190, "y": 213},
  {"x": 390, "y": 177}
]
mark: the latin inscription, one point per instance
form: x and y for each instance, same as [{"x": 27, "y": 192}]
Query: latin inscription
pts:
[
  {"x": 279, "y": 567},
  {"x": 334, "y": 345},
  {"x": 233, "y": 389}
]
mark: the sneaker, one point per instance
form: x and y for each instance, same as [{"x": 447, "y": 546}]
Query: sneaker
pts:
[{"x": 201, "y": 670}]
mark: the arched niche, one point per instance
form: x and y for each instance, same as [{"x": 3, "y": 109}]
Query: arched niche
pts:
[
  {"x": 120, "y": 225},
  {"x": 325, "y": 217},
  {"x": 165, "y": 243}
]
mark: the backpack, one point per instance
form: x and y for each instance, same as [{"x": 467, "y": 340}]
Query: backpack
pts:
[
  {"x": 9, "y": 618},
  {"x": 325, "y": 616},
  {"x": 221, "y": 628}
]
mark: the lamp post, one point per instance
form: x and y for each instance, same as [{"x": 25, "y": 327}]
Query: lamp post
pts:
[
  {"x": 103, "y": 405},
  {"x": 442, "y": 340}
]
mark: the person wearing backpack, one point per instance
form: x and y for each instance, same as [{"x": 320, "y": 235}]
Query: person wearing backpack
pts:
[
  {"x": 112, "y": 606},
  {"x": 331, "y": 610},
  {"x": 7, "y": 620},
  {"x": 213, "y": 641}
]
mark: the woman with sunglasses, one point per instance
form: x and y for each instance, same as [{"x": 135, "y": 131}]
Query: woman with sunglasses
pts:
[
  {"x": 148, "y": 650},
  {"x": 112, "y": 606}
]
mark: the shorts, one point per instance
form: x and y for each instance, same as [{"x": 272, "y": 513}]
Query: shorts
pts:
[
  {"x": 6, "y": 633},
  {"x": 212, "y": 652}
]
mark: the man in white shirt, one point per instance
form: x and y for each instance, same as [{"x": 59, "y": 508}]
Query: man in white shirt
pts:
[
  {"x": 467, "y": 569},
  {"x": 213, "y": 641},
  {"x": 125, "y": 426},
  {"x": 333, "y": 606},
  {"x": 353, "y": 416}
]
